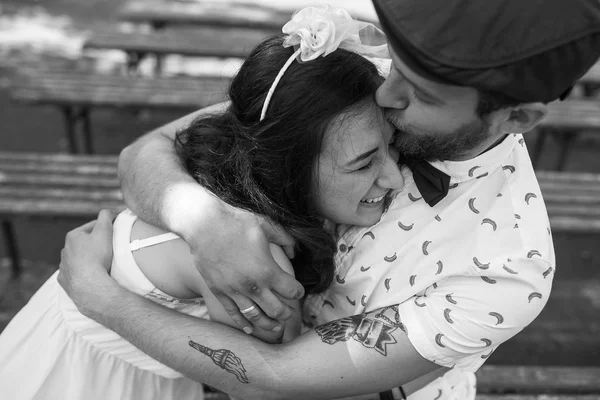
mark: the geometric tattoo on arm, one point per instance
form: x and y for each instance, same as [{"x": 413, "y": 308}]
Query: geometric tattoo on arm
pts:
[
  {"x": 372, "y": 330},
  {"x": 224, "y": 359}
]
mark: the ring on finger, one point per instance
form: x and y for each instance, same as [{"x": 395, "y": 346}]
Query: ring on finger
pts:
[{"x": 248, "y": 310}]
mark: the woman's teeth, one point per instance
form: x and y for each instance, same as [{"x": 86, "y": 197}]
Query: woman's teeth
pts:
[{"x": 374, "y": 199}]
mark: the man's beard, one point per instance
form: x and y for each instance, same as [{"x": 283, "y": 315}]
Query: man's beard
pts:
[{"x": 449, "y": 146}]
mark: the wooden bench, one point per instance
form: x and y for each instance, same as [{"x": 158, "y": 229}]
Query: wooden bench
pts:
[
  {"x": 201, "y": 42},
  {"x": 496, "y": 382},
  {"x": 172, "y": 13},
  {"x": 79, "y": 186},
  {"x": 77, "y": 92},
  {"x": 538, "y": 382},
  {"x": 51, "y": 185},
  {"x": 591, "y": 80},
  {"x": 564, "y": 120},
  {"x": 572, "y": 200}
]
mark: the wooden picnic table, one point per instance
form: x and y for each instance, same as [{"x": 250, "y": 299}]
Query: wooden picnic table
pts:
[
  {"x": 591, "y": 80},
  {"x": 200, "y": 42},
  {"x": 81, "y": 185},
  {"x": 162, "y": 13},
  {"x": 76, "y": 92},
  {"x": 564, "y": 121},
  {"x": 206, "y": 42}
]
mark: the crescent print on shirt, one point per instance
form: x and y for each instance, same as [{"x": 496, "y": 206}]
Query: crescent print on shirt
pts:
[
  {"x": 530, "y": 196},
  {"x": 472, "y": 170},
  {"x": 373, "y": 330},
  {"x": 472, "y": 205},
  {"x": 413, "y": 198},
  {"x": 491, "y": 222}
]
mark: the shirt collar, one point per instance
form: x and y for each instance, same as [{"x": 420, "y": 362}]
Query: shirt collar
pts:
[{"x": 483, "y": 164}]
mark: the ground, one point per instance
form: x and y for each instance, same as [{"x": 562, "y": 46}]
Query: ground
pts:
[{"x": 566, "y": 333}]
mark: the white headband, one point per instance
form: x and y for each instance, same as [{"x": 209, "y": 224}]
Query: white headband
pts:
[{"x": 319, "y": 31}]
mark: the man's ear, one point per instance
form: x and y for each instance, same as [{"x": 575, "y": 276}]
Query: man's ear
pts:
[{"x": 523, "y": 117}]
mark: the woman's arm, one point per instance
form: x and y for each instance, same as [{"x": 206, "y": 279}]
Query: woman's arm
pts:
[{"x": 230, "y": 246}]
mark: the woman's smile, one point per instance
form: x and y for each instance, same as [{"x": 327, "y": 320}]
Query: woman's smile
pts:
[{"x": 374, "y": 201}]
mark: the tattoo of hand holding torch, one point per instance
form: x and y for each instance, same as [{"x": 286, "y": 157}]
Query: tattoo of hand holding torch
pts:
[{"x": 225, "y": 359}]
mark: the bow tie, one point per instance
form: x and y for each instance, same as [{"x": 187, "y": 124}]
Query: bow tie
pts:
[{"x": 431, "y": 182}]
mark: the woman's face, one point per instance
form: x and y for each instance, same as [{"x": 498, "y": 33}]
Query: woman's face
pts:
[{"x": 357, "y": 168}]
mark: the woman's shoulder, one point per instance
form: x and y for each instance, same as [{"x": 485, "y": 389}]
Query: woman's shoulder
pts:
[{"x": 167, "y": 265}]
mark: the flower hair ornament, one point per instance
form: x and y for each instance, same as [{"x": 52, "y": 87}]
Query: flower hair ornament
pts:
[{"x": 320, "y": 30}]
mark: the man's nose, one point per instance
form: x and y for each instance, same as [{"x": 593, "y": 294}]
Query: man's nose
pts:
[{"x": 392, "y": 94}]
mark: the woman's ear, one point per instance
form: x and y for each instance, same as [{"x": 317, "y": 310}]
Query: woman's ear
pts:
[{"x": 523, "y": 117}]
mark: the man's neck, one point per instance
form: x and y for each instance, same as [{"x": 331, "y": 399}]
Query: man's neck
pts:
[{"x": 481, "y": 149}]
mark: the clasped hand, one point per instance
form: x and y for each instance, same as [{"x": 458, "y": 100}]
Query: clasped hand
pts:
[{"x": 234, "y": 259}]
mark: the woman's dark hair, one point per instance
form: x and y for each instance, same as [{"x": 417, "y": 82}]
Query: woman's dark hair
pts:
[{"x": 267, "y": 167}]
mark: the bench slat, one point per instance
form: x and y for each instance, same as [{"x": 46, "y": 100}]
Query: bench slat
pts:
[
  {"x": 572, "y": 200},
  {"x": 573, "y": 114},
  {"x": 49, "y": 167},
  {"x": 204, "y": 14},
  {"x": 205, "y": 42},
  {"x": 58, "y": 158},
  {"x": 533, "y": 379},
  {"x": 57, "y": 180},
  {"x": 86, "y": 88},
  {"x": 557, "y": 210},
  {"x": 571, "y": 197},
  {"x": 553, "y": 176},
  {"x": 593, "y": 75},
  {"x": 79, "y": 88},
  {"x": 537, "y": 397},
  {"x": 573, "y": 224},
  {"x": 62, "y": 207},
  {"x": 52, "y": 194}
]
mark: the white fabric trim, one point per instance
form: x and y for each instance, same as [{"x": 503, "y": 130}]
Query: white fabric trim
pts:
[{"x": 152, "y": 241}]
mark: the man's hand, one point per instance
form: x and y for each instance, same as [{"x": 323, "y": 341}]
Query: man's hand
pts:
[
  {"x": 85, "y": 262},
  {"x": 231, "y": 251}
]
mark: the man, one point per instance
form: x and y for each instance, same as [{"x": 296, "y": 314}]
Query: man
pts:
[{"x": 466, "y": 253}]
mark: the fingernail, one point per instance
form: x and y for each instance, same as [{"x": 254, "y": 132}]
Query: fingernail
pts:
[
  {"x": 277, "y": 328},
  {"x": 247, "y": 329}
]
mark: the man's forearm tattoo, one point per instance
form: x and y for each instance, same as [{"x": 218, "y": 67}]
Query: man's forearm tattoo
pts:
[
  {"x": 374, "y": 331},
  {"x": 224, "y": 359}
]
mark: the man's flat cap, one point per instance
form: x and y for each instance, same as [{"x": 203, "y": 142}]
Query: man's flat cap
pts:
[{"x": 528, "y": 50}]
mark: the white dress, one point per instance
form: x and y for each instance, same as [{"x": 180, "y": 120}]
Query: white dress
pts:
[{"x": 51, "y": 351}]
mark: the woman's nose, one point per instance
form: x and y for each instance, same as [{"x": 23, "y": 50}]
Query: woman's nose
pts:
[
  {"x": 391, "y": 177},
  {"x": 392, "y": 93}
]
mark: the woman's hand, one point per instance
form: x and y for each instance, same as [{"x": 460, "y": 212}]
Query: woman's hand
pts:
[{"x": 85, "y": 263}]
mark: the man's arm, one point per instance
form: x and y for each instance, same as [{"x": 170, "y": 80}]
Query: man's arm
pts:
[
  {"x": 230, "y": 246},
  {"x": 355, "y": 355}
]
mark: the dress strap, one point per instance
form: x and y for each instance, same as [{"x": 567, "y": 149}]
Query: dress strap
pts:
[{"x": 151, "y": 241}]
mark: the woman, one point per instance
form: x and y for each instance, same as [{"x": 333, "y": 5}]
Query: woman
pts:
[{"x": 302, "y": 143}]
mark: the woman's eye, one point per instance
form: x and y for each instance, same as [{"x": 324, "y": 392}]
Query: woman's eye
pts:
[{"x": 366, "y": 166}]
